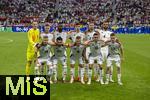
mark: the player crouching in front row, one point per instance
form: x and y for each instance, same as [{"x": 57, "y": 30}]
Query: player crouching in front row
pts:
[
  {"x": 77, "y": 50},
  {"x": 95, "y": 55},
  {"x": 114, "y": 55},
  {"x": 59, "y": 55},
  {"x": 43, "y": 50}
]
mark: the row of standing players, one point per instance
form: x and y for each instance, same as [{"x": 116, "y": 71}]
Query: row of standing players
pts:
[{"x": 89, "y": 49}]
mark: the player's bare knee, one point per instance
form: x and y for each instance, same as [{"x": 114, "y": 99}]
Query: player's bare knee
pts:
[
  {"x": 38, "y": 65},
  {"x": 90, "y": 66},
  {"x": 100, "y": 66},
  {"x": 50, "y": 66},
  {"x": 64, "y": 66},
  {"x": 72, "y": 65},
  {"x": 55, "y": 66}
]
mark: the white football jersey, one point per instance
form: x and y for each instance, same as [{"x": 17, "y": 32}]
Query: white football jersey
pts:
[
  {"x": 49, "y": 35},
  {"x": 63, "y": 35},
  {"x": 105, "y": 35},
  {"x": 89, "y": 36},
  {"x": 73, "y": 36}
]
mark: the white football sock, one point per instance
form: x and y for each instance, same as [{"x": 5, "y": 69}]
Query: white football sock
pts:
[
  {"x": 86, "y": 69},
  {"x": 111, "y": 68},
  {"x": 119, "y": 77},
  {"x": 95, "y": 69},
  {"x": 64, "y": 73},
  {"x": 107, "y": 77},
  {"x": 110, "y": 77},
  {"x": 89, "y": 74},
  {"x": 100, "y": 74},
  {"x": 79, "y": 71},
  {"x": 55, "y": 72},
  {"x": 82, "y": 73},
  {"x": 72, "y": 72},
  {"x": 50, "y": 71}
]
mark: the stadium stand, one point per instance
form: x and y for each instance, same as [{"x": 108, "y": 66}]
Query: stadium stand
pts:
[{"x": 121, "y": 12}]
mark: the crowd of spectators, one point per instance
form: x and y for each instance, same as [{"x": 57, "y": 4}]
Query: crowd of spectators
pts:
[
  {"x": 24, "y": 11},
  {"x": 120, "y": 12}
]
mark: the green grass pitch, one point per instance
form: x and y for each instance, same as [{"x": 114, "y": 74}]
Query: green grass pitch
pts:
[{"x": 135, "y": 70}]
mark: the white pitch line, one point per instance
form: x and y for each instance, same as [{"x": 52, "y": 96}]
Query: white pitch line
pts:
[{"x": 7, "y": 41}]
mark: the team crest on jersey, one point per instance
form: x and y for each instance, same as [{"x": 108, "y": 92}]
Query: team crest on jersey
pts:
[
  {"x": 58, "y": 50},
  {"x": 78, "y": 51},
  {"x": 96, "y": 47}
]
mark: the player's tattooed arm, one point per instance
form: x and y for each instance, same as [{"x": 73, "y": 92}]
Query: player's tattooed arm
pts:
[
  {"x": 121, "y": 48},
  {"x": 70, "y": 44},
  {"x": 117, "y": 40},
  {"x": 107, "y": 41},
  {"x": 84, "y": 55},
  {"x": 68, "y": 33},
  {"x": 103, "y": 43},
  {"x": 37, "y": 47},
  {"x": 86, "y": 43}
]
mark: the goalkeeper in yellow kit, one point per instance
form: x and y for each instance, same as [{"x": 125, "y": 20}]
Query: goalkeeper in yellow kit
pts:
[{"x": 34, "y": 39}]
